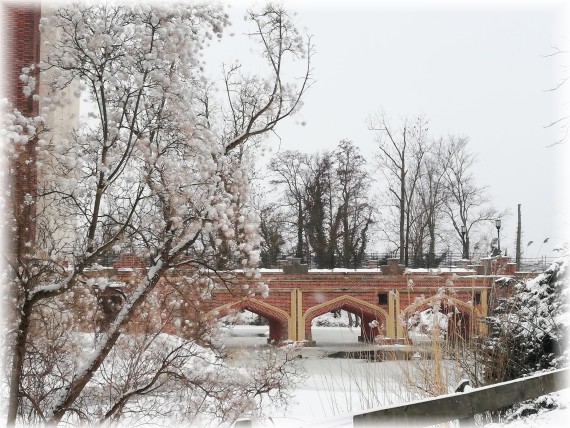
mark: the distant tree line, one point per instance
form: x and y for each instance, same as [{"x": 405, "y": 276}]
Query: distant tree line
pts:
[{"x": 321, "y": 207}]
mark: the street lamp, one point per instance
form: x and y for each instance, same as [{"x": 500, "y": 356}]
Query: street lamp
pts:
[
  {"x": 498, "y": 226},
  {"x": 464, "y": 256}
]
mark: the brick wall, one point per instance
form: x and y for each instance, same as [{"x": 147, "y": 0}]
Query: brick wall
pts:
[
  {"x": 21, "y": 48},
  {"x": 129, "y": 260}
]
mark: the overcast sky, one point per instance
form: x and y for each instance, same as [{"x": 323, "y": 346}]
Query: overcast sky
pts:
[{"x": 478, "y": 70}]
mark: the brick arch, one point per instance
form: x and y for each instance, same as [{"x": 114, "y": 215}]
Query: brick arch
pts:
[
  {"x": 367, "y": 311},
  {"x": 279, "y": 320},
  {"x": 464, "y": 323}
]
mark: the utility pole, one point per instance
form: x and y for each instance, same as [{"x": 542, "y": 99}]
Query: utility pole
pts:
[
  {"x": 518, "y": 250},
  {"x": 519, "y": 233}
]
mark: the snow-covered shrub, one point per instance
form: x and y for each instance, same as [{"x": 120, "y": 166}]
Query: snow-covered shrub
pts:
[
  {"x": 529, "y": 332},
  {"x": 243, "y": 318},
  {"x": 532, "y": 407},
  {"x": 335, "y": 319},
  {"x": 176, "y": 382}
]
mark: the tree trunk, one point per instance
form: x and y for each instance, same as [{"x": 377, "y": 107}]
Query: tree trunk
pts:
[
  {"x": 19, "y": 351},
  {"x": 85, "y": 373},
  {"x": 402, "y": 213},
  {"x": 299, "y": 250},
  {"x": 407, "y": 240},
  {"x": 347, "y": 253}
]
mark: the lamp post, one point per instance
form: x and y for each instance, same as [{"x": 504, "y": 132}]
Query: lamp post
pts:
[
  {"x": 464, "y": 256},
  {"x": 498, "y": 226}
]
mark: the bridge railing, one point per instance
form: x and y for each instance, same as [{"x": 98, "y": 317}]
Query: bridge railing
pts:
[
  {"x": 537, "y": 264},
  {"x": 376, "y": 259},
  {"x": 442, "y": 261}
]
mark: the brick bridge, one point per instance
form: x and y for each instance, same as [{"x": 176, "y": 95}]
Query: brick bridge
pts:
[
  {"x": 388, "y": 296},
  {"x": 384, "y": 298}
]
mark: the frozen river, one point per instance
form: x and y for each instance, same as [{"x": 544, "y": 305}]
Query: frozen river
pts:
[
  {"x": 327, "y": 338},
  {"x": 334, "y": 387}
]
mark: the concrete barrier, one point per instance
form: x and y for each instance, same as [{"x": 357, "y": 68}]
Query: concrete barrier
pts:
[{"x": 466, "y": 404}]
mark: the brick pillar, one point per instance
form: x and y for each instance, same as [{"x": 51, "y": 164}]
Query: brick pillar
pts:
[
  {"x": 277, "y": 331},
  {"x": 367, "y": 333},
  {"x": 393, "y": 267},
  {"x": 392, "y": 316}
]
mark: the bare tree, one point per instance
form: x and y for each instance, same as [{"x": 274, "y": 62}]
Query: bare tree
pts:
[
  {"x": 355, "y": 209},
  {"x": 272, "y": 227},
  {"x": 253, "y": 109},
  {"x": 432, "y": 195},
  {"x": 467, "y": 204},
  {"x": 401, "y": 152},
  {"x": 291, "y": 170},
  {"x": 327, "y": 194},
  {"x": 148, "y": 170}
]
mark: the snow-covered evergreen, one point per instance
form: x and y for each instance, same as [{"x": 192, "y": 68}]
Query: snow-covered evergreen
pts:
[
  {"x": 531, "y": 327},
  {"x": 529, "y": 332}
]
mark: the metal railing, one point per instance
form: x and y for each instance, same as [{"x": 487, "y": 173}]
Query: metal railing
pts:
[
  {"x": 536, "y": 264},
  {"x": 376, "y": 259},
  {"x": 443, "y": 260}
]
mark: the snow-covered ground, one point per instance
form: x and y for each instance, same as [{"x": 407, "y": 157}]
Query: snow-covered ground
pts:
[
  {"x": 556, "y": 418},
  {"x": 335, "y": 388}
]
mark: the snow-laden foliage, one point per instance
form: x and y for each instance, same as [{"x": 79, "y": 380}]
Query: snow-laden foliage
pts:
[
  {"x": 427, "y": 322},
  {"x": 169, "y": 380},
  {"x": 17, "y": 129},
  {"x": 542, "y": 318},
  {"x": 440, "y": 320},
  {"x": 153, "y": 172},
  {"x": 530, "y": 331}
]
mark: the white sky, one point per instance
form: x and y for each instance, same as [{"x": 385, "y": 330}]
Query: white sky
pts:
[{"x": 477, "y": 70}]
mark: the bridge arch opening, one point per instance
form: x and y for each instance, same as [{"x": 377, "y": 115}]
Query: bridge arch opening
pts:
[
  {"x": 246, "y": 317},
  {"x": 277, "y": 319},
  {"x": 374, "y": 321},
  {"x": 456, "y": 320}
]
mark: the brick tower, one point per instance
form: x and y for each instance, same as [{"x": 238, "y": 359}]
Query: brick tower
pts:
[{"x": 21, "y": 47}]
